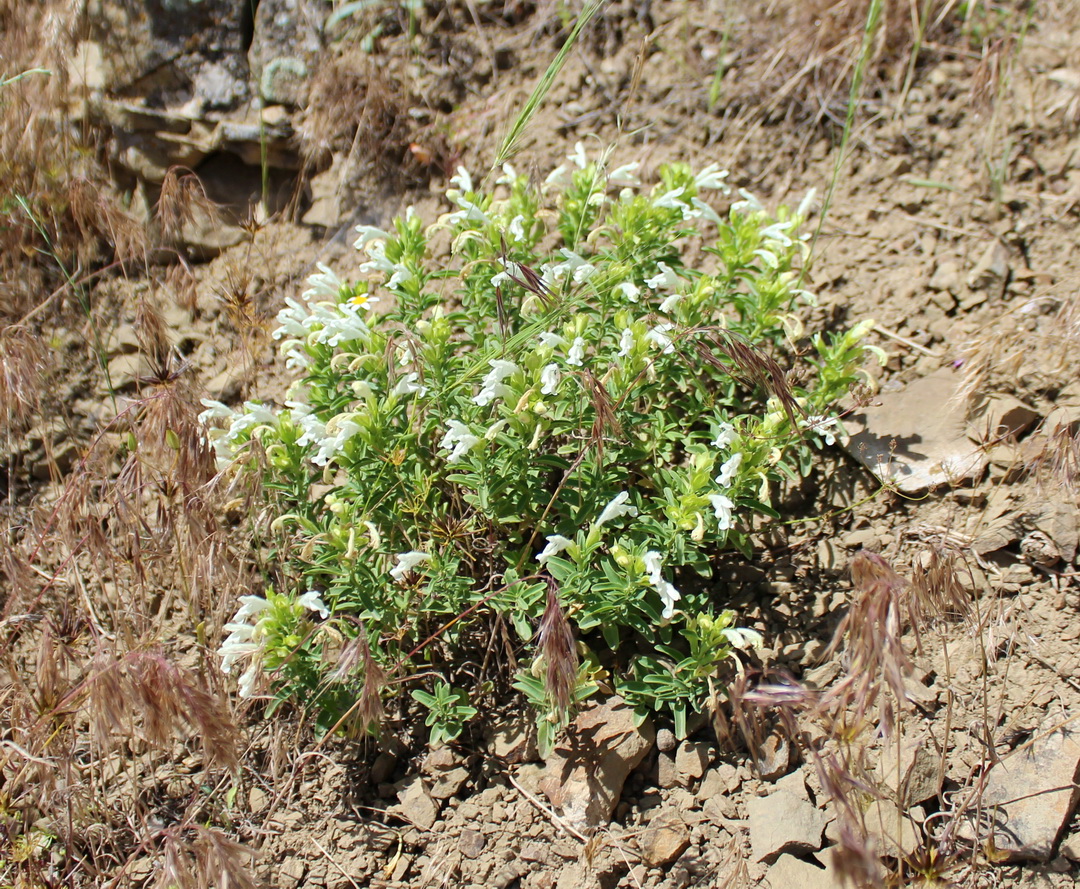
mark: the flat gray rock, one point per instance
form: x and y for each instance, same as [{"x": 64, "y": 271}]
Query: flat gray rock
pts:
[
  {"x": 781, "y": 822},
  {"x": 916, "y": 438}
]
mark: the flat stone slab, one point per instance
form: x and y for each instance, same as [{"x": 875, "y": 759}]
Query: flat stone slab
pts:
[
  {"x": 781, "y": 822},
  {"x": 916, "y": 438},
  {"x": 1032, "y": 793}
]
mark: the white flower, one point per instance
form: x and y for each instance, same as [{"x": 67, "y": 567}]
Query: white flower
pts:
[
  {"x": 749, "y": 204},
  {"x": 406, "y": 562},
  {"x": 517, "y": 228},
  {"x": 555, "y": 545},
  {"x": 578, "y": 156},
  {"x": 703, "y": 209},
  {"x": 337, "y": 432},
  {"x": 722, "y": 507},
  {"x": 509, "y": 175},
  {"x": 378, "y": 260},
  {"x": 369, "y": 233},
  {"x": 668, "y": 304},
  {"x": 551, "y": 340},
  {"x": 325, "y": 284},
  {"x": 664, "y": 277},
  {"x": 408, "y": 385},
  {"x": 215, "y": 410},
  {"x": 312, "y": 601},
  {"x": 670, "y": 200},
  {"x": 459, "y": 440},
  {"x": 728, "y": 470},
  {"x": 776, "y": 232},
  {"x": 576, "y": 353},
  {"x": 767, "y": 257},
  {"x": 250, "y": 606},
  {"x": 462, "y": 179},
  {"x": 743, "y": 638},
  {"x": 616, "y": 509},
  {"x": 509, "y": 271},
  {"x": 659, "y": 336},
  {"x": 469, "y": 212},
  {"x": 626, "y": 174},
  {"x": 713, "y": 177},
  {"x": 806, "y": 205},
  {"x": 292, "y": 320},
  {"x": 668, "y": 594},
  {"x": 626, "y": 342},
  {"x": 725, "y": 436},
  {"x": 295, "y": 359},
  {"x": 576, "y": 264},
  {"x": 549, "y": 378},
  {"x": 630, "y": 290},
  {"x": 493, "y": 383},
  {"x": 826, "y": 427},
  {"x": 362, "y": 389}
]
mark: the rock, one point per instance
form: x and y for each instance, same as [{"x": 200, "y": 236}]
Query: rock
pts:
[
  {"x": 1033, "y": 793},
  {"x": 667, "y": 775},
  {"x": 448, "y": 784},
  {"x": 789, "y": 872},
  {"x": 415, "y": 804},
  {"x": 125, "y": 371},
  {"x": 711, "y": 785},
  {"x": 284, "y": 43},
  {"x": 1057, "y": 520},
  {"x": 471, "y": 843},
  {"x": 795, "y": 784},
  {"x": 917, "y": 438},
  {"x": 774, "y": 758},
  {"x": 691, "y": 761},
  {"x": 441, "y": 759},
  {"x": 586, "y": 772},
  {"x": 258, "y": 799},
  {"x": 946, "y": 277},
  {"x": 991, "y": 272},
  {"x": 665, "y": 740},
  {"x": 1070, "y": 846},
  {"x": 891, "y": 832},
  {"x": 917, "y": 767},
  {"x": 291, "y": 872},
  {"x": 383, "y": 767},
  {"x": 781, "y": 822},
  {"x": 664, "y": 840},
  {"x": 1001, "y": 417},
  {"x": 513, "y": 740}
]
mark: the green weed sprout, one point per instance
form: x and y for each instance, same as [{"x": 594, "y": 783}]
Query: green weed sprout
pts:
[{"x": 544, "y": 439}]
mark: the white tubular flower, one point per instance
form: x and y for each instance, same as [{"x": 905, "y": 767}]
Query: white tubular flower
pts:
[
  {"x": 215, "y": 410},
  {"x": 362, "y": 389},
  {"x": 510, "y": 270},
  {"x": 670, "y": 200},
  {"x": 777, "y": 232},
  {"x": 713, "y": 177},
  {"x": 768, "y": 257},
  {"x": 408, "y": 385},
  {"x": 659, "y": 336},
  {"x": 664, "y": 277},
  {"x": 630, "y": 290},
  {"x": 742, "y": 638},
  {"x": 626, "y": 342},
  {"x": 493, "y": 383},
  {"x": 668, "y": 594},
  {"x": 576, "y": 265},
  {"x": 577, "y": 353},
  {"x": 722, "y": 507},
  {"x": 749, "y": 204},
  {"x": 325, "y": 284},
  {"x": 378, "y": 261},
  {"x": 517, "y": 228},
  {"x": 462, "y": 179},
  {"x": 806, "y": 205},
  {"x": 469, "y": 212},
  {"x": 509, "y": 175},
  {"x": 625, "y": 175},
  {"x": 556, "y": 543},
  {"x": 578, "y": 157},
  {"x": 725, "y": 436},
  {"x": 406, "y": 562},
  {"x": 616, "y": 509},
  {"x": 292, "y": 320},
  {"x": 369, "y": 233},
  {"x": 549, "y": 378},
  {"x": 250, "y": 606},
  {"x": 701, "y": 209},
  {"x": 459, "y": 440},
  {"x": 312, "y": 601},
  {"x": 338, "y": 431},
  {"x": 669, "y": 304},
  {"x": 728, "y": 470},
  {"x": 551, "y": 340},
  {"x": 344, "y": 326},
  {"x": 401, "y": 275},
  {"x": 826, "y": 427},
  {"x": 296, "y": 360}
]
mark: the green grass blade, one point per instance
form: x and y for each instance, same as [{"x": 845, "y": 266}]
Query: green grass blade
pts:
[{"x": 521, "y": 122}]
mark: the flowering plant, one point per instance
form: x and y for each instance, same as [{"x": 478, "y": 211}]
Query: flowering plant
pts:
[{"x": 537, "y": 444}]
